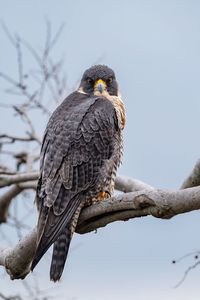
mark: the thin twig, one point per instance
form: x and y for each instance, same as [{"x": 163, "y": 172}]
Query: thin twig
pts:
[
  {"x": 190, "y": 268},
  {"x": 12, "y": 138}
]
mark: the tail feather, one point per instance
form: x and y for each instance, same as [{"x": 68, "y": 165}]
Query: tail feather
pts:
[
  {"x": 51, "y": 227},
  {"x": 60, "y": 251}
]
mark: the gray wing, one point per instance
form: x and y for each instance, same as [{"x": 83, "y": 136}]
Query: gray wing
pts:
[{"x": 76, "y": 144}]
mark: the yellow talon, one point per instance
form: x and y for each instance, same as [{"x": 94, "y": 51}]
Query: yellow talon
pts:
[{"x": 103, "y": 195}]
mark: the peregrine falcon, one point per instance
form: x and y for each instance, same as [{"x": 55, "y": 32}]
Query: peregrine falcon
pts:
[{"x": 81, "y": 151}]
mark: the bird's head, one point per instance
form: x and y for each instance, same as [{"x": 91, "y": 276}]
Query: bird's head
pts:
[{"x": 99, "y": 80}]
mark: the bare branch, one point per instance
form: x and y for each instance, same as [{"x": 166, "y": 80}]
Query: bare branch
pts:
[
  {"x": 50, "y": 43},
  {"x": 32, "y": 185},
  {"x": 194, "y": 254},
  {"x": 24, "y": 115},
  {"x": 8, "y": 34},
  {"x": 9, "y": 79},
  {"x": 12, "y": 138},
  {"x": 6, "y": 199},
  {"x": 6, "y": 180},
  {"x": 194, "y": 178},
  {"x": 127, "y": 184},
  {"x": 17, "y": 261},
  {"x": 158, "y": 203},
  {"x": 190, "y": 268},
  {"x": 20, "y": 62}
]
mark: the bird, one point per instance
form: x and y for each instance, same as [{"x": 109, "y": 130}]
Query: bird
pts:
[{"x": 81, "y": 150}]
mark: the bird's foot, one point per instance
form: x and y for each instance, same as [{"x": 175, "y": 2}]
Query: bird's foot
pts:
[{"x": 101, "y": 196}]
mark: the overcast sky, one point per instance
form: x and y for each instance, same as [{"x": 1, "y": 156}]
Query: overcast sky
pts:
[{"x": 154, "y": 48}]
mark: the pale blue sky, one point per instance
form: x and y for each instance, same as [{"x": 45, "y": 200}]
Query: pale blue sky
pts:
[{"x": 154, "y": 48}]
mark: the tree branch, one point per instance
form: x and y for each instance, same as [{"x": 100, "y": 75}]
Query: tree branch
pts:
[
  {"x": 6, "y": 180},
  {"x": 158, "y": 203},
  {"x": 12, "y": 138},
  {"x": 127, "y": 184},
  {"x": 17, "y": 261},
  {"x": 122, "y": 183},
  {"x": 140, "y": 199},
  {"x": 194, "y": 178},
  {"x": 6, "y": 199}
]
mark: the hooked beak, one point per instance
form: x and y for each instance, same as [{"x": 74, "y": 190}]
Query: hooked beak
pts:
[{"x": 100, "y": 86}]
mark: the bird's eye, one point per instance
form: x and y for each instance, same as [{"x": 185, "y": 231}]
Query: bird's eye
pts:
[
  {"x": 89, "y": 80},
  {"x": 110, "y": 79}
]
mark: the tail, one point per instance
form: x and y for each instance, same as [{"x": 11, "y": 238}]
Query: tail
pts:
[
  {"x": 59, "y": 256},
  {"x": 52, "y": 228}
]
